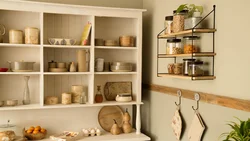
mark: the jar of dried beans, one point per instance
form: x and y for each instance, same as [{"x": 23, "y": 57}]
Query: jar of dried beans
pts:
[
  {"x": 179, "y": 20},
  {"x": 174, "y": 46},
  {"x": 191, "y": 44},
  {"x": 178, "y": 68}
]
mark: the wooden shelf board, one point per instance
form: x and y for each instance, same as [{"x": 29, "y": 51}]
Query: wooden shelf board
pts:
[
  {"x": 187, "y": 32},
  {"x": 20, "y": 73},
  {"x": 106, "y": 136},
  {"x": 67, "y": 73},
  {"x": 113, "y": 73},
  {"x": 187, "y": 77},
  {"x": 19, "y": 45},
  {"x": 60, "y": 106},
  {"x": 202, "y": 54},
  {"x": 115, "y": 47},
  {"x": 234, "y": 103},
  {"x": 66, "y": 46}
]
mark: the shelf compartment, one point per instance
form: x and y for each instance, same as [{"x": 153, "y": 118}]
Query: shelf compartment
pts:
[
  {"x": 21, "y": 107},
  {"x": 202, "y": 54},
  {"x": 114, "y": 73},
  {"x": 209, "y": 30},
  {"x": 66, "y": 46},
  {"x": 65, "y": 26},
  {"x": 67, "y": 73},
  {"x": 19, "y": 45},
  {"x": 20, "y": 73},
  {"x": 115, "y": 47},
  {"x": 187, "y": 77}
]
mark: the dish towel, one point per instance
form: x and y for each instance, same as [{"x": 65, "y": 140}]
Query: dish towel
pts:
[
  {"x": 197, "y": 128},
  {"x": 177, "y": 124}
]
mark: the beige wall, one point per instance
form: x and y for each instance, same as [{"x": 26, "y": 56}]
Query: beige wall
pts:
[
  {"x": 231, "y": 68},
  {"x": 107, "y": 3}
]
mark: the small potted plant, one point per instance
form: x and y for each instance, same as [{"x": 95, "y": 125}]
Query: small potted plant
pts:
[
  {"x": 193, "y": 10},
  {"x": 240, "y": 131}
]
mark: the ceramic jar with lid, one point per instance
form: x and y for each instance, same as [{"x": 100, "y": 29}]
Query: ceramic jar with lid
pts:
[
  {"x": 16, "y": 36},
  {"x": 196, "y": 68},
  {"x": 174, "y": 46},
  {"x": 31, "y": 35}
]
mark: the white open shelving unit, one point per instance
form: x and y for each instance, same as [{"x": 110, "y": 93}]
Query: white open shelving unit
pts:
[{"x": 67, "y": 21}]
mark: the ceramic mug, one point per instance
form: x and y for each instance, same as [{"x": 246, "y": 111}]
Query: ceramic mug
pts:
[{"x": 99, "y": 64}]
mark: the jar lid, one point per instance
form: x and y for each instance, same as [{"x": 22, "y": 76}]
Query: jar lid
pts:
[
  {"x": 178, "y": 64},
  {"x": 189, "y": 60},
  {"x": 191, "y": 37},
  {"x": 173, "y": 40},
  {"x": 182, "y": 11},
  {"x": 169, "y": 18},
  {"x": 197, "y": 63}
]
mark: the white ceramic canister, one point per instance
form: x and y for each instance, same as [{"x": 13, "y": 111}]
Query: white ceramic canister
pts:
[
  {"x": 99, "y": 64},
  {"x": 31, "y": 35},
  {"x": 16, "y": 36}
]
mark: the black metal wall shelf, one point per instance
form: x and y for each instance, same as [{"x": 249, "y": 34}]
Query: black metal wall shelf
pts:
[{"x": 191, "y": 55}]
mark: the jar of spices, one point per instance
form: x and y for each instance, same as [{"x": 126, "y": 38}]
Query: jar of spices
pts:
[
  {"x": 179, "y": 20},
  {"x": 31, "y": 35},
  {"x": 16, "y": 36},
  {"x": 168, "y": 24},
  {"x": 191, "y": 44},
  {"x": 174, "y": 46},
  {"x": 178, "y": 68},
  {"x": 186, "y": 63},
  {"x": 196, "y": 69}
]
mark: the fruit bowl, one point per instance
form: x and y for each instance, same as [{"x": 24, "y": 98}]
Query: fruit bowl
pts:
[
  {"x": 35, "y": 133},
  {"x": 3, "y": 69}
]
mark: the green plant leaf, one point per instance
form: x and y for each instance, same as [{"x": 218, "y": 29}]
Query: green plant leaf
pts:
[
  {"x": 181, "y": 7},
  {"x": 199, "y": 8}
]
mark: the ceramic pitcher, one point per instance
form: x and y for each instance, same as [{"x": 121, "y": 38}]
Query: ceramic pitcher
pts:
[{"x": 2, "y": 32}]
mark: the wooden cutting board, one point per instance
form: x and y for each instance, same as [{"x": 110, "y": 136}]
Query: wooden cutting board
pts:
[{"x": 106, "y": 116}]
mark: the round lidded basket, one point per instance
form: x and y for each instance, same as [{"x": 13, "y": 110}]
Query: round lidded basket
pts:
[
  {"x": 16, "y": 36},
  {"x": 127, "y": 41}
]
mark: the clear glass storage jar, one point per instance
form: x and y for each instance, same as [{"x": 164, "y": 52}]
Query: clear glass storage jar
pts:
[
  {"x": 179, "y": 20},
  {"x": 168, "y": 24},
  {"x": 191, "y": 44},
  {"x": 178, "y": 68},
  {"x": 186, "y": 63},
  {"x": 174, "y": 46},
  {"x": 196, "y": 69}
]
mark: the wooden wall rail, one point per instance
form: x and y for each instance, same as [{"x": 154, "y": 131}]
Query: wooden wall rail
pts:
[{"x": 229, "y": 102}]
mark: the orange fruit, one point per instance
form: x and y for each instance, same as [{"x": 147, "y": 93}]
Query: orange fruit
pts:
[
  {"x": 43, "y": 130},
  {"x": 38, "y": 127},
  {"x": 29, "y": 131},
  {"x": 35, "y": 132}
]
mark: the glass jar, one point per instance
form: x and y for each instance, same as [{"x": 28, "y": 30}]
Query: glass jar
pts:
[
  {"x": 186, "y": 63},
  {"x": 191, "y": 44},
  {"x": 179, "y": 20},
  {"x": 196, "y": 69},
  {"x": 98, "y": 96},
  {"x": 168, "y": 24},
  {"x": 171, "y": 68},
  {"x": 178, "y": 68},
  {"x": 174, "y": 46}
]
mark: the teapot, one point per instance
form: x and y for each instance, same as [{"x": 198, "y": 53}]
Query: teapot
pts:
[{"x": 2, "y": 32}]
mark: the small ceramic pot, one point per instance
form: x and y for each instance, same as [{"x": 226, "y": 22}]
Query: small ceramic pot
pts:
[
  {"x": 11, "y": 102},
  {"x": 31, "y": 35},
  {"x": 16, "y": 36},
  {"x": 61, "y": 65}
]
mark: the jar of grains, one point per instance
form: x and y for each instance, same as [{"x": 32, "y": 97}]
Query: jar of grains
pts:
[
  {"x": 174, "y": 46},
  {"x": 168, "y": 24},
  {"x": 191, "y": 44},
  {"x": 171, "y": 68},
  {"x": 196, "y": 69},
  {"x": 179, "y": 20},
  {"x": 178, "y": 68}
]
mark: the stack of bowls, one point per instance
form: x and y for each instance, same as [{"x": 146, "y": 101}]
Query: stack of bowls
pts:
[{"x": 121, "y": 67}]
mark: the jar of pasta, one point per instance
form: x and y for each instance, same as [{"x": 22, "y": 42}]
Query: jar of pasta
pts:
[
  {"x": 191, "y": 44},
  {"x": 174, "y": 46}
]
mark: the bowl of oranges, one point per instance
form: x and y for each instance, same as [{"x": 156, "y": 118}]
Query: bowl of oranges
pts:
[{"x": 35, "y": 133}]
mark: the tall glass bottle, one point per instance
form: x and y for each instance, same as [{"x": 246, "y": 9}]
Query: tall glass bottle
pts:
[
  {"x": 98, "y": 96},
  {"x": 26, "y": 93}
]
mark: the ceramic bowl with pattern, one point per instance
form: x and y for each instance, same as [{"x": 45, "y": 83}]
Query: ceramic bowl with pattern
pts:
[{"x": 61, "y": 41}]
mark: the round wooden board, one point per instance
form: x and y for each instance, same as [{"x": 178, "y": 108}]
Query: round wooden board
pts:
[{"x": 106, "y": 116}]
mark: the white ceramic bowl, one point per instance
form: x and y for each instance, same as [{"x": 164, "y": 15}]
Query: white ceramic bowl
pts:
[{"x": 12, "y": 102}]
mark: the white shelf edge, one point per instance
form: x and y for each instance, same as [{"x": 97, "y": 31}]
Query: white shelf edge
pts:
[
  {"x": 20, "y": 73},
  {"x": 115, "y": 47},
  {"x": 114, "y": 73},
  {"x": 19, "y": 45},
  {"x": 61, "y": 106},
  {"x": 66, "y": 46},
  {"x": 67, "y": 73}
]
